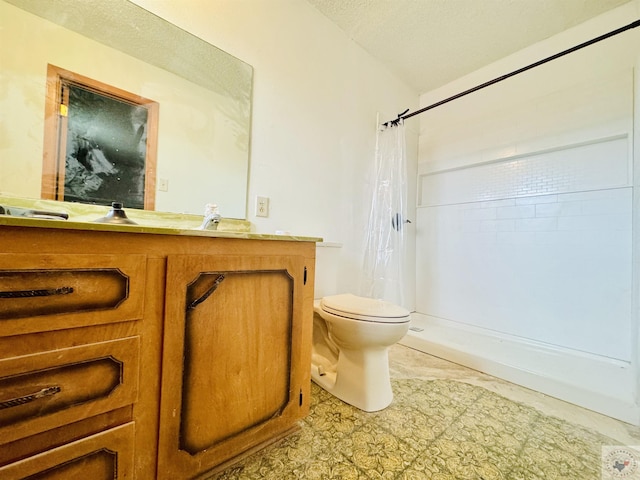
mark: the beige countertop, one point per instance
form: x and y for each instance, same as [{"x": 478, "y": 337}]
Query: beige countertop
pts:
[
  {"x": 107, "y": 227},
  {"x": 81, "y": 217}
]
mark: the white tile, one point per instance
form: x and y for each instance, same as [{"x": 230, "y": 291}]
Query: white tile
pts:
[
  {"x": 520, "y": 211},
  {"x": 471, "y": 226},
  {"x": 472, "y": 213},
  {"x": 504, "y": 225},
  {"x": 537, "y": 224},
  {"x": 558, "y": 209},
  {"x": 558, "y": 239},
  {"x": 606, "y": 206},
  {"x": 616, "y": 222},
  {"x": 480, "y": 239},
  {"x": 516, "y": 238}
]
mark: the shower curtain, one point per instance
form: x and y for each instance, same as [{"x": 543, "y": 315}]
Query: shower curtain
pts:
[{"x": 384, "y": 252}]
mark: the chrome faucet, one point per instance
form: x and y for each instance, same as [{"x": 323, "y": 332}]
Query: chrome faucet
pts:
[
  {"x": 211, "y": 218},
  {"x": 210, "y": 222}
]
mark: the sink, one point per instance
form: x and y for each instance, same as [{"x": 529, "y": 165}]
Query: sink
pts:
[{"x": 31, "y": 213}]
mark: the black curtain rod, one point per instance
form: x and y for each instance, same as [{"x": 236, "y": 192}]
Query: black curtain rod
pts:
[{"x": 405, "y": 115}]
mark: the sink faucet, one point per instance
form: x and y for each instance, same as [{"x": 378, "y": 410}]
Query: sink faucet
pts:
[{"x": 211, "y": 217}]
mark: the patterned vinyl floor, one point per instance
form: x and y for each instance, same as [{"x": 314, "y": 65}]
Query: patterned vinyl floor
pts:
[{"x": 434, "y": 429}]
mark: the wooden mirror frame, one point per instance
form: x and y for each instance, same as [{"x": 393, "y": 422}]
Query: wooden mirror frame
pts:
[{"x": 55, "y": 132}]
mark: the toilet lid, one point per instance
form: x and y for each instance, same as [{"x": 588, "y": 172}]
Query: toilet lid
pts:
[{"x": 362, "y": 308}]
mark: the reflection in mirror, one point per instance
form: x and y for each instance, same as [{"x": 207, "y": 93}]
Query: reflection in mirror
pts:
[{"x": 204, "y": 96}]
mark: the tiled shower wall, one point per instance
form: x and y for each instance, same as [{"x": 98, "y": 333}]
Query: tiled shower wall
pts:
[{"x": 537, "y": 246}]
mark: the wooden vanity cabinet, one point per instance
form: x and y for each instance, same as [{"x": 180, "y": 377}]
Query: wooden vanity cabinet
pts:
[{"x": 147, "y": 356}]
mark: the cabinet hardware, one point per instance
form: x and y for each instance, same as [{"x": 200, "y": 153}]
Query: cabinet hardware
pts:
[
  {"x": 305, "y": 276},
  {"x": 37, "y": 293},
  {"x": 45, "y": 392},
  {"x": 300, "y": 401},
  {"x": 206, "y": 294}
]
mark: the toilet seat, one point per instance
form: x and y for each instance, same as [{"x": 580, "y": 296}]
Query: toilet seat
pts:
[{"x": 365, "y": 309}]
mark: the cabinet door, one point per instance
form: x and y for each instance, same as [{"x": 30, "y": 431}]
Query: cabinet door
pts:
[{"x": 234, "y": 362}]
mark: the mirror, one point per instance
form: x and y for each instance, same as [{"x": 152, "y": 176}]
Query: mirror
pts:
[{"x": 203, "y": 93}]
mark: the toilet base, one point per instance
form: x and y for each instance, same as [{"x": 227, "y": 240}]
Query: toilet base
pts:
[{"x": 360, "y": 378}]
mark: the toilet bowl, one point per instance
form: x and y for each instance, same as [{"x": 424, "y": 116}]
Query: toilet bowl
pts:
[{"x": 351, "y": 340}]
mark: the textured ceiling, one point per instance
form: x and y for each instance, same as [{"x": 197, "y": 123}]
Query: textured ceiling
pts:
[{"x": 429, "y": 43}]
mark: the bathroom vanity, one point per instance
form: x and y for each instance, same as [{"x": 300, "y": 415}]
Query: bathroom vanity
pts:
[{"x": 133, "y": 352}]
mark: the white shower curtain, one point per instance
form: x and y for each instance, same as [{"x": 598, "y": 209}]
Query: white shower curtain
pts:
[{"x": 384, "y": 253}]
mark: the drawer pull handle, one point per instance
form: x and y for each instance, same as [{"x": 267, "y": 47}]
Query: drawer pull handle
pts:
[
  {"x": 37, "y": 293},
  {"x": 45, "y": 392}
]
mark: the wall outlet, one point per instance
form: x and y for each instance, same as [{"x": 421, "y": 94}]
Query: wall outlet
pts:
[
  {"x": 262, "y": 206},
  {"x": 163, "y": 185}
]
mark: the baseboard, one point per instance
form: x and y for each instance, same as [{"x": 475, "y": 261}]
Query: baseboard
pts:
[{"x": 598, "y": 383}]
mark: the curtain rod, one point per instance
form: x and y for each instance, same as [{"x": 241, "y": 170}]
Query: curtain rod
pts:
[{"x": 405, "y": 115}]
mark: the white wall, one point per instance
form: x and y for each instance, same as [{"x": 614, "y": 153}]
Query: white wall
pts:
[
  {"x": 526, "y": 262},
  {"x": 315, "y": 101}
]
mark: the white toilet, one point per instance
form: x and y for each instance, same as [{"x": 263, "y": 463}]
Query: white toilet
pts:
[{"x": 351, "y": 340}]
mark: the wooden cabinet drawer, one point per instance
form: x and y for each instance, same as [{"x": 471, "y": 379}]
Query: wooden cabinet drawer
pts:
[
  {"x": 48, "y": 389},
  {"x": 52, "y": 292},
  {"x": 107, "y": 455}
]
